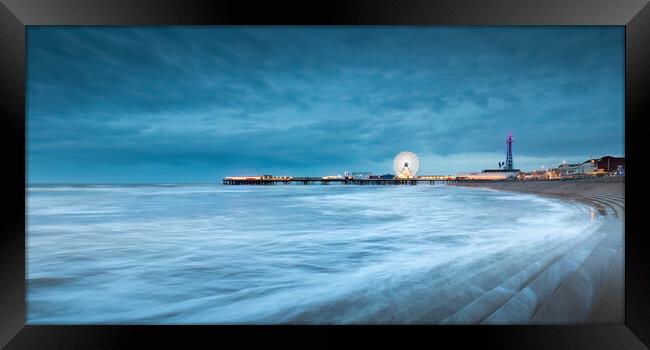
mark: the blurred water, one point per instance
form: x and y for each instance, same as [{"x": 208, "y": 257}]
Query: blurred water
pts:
[{"x": 193, "y": 254}]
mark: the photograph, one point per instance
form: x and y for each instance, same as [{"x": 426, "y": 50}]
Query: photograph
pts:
[{"x": 325, "y": 175}]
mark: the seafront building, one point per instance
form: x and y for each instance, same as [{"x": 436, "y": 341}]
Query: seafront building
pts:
[
  {"x": 588, "y": 166},
  {"x": 567, "y": 169},
  {"x": 541, "y": 174},
  {"x": 610, "y": 164},
  {"x": 487, "y": 175},
  {"x": 606, "y": 165}
]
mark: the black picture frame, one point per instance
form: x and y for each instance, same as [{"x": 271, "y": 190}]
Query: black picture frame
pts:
[{"x": 15, "y": 15}]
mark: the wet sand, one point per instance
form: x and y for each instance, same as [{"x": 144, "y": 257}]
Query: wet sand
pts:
[{"x": 594, "y": 291}]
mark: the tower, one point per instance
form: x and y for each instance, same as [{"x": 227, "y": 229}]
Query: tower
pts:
[{"x": 509, "y": 151}]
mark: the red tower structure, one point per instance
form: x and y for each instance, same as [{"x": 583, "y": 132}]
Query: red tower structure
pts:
[{"x": 509, "y": 152}]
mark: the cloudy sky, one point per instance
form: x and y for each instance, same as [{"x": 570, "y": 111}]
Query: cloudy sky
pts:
[{"x": 194, "y": 104}]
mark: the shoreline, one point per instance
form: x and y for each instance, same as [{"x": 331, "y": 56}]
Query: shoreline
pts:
[
  {"x": 607, "y": 195},
  {"x": 594, "y": 291}
]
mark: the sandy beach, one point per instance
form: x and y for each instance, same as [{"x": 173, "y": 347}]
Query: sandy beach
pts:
[
  {"x": 605, "y": 194},
  {"x": 587, "y": 284}
]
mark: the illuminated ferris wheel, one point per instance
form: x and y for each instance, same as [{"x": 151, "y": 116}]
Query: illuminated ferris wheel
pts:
[{"x": 406, "y": 165}]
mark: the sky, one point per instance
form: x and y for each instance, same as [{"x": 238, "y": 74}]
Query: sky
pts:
[{"x": 194, "y": 104}]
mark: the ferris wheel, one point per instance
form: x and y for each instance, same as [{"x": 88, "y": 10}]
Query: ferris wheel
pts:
[{"x": 406, "y": 165}]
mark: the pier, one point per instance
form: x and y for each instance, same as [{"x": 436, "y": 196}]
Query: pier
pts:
[{"x": 257, "y": 181}]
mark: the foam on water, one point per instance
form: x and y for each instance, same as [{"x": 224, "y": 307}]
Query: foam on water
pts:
[{"x": 281, "y": 254}]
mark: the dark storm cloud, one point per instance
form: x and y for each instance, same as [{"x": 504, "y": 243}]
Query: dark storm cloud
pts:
[{"x": 197, "y": 103}]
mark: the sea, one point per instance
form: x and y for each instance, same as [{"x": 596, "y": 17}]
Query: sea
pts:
[{"x": 282, "y": 254}]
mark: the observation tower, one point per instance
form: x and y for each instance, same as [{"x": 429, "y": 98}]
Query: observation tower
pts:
[{"x": 509, "y": 152}]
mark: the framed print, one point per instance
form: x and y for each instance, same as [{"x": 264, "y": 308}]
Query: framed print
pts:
[{"x": 433, "y": 171}]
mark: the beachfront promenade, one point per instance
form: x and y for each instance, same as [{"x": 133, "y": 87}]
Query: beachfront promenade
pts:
[
  {"x": 584, "y": 285},
  {"x": 605, "y": 193}
]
